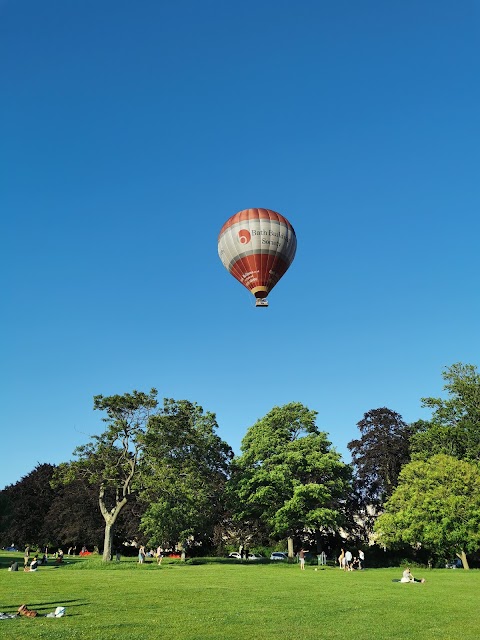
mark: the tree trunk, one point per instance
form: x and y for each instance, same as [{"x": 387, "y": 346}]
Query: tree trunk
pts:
[
  {"x": 463, "y": 557},
  {"x": 110, "y": 518},
  {"x": 290, "y": 549},
  {"x": 107, "y": 543},
  {"x": 318, "y": 542}
]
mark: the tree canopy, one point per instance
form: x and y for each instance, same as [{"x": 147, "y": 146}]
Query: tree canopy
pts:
[
  {"x": 454, "y": 428},
  {"x": 379, "y": 454},
  {"x": 110, "y": 461},
  {"x": 288, "y": 478},
  {"x": 185, "y": 465},
  {"x": 163, "y": 476},
  {"x": 437, "y": 505},
  {"x": 24, "y": 506}
]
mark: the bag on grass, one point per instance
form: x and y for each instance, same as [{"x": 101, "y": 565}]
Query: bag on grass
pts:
[
  {"x": 25, "y": 611},
  {"x": 58, "y": 613}
]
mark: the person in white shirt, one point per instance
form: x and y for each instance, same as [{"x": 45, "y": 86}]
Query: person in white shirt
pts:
[{"x": 408, "y": 577}]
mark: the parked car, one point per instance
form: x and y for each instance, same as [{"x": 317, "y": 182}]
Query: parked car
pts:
[
  {"x": 279, "y": 555},
  {"x": 454, "y": 564},
  {"x": 235, "y": 555},
  {"x": 255, "y": 556}
]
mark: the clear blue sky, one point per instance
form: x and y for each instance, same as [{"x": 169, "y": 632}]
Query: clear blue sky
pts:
[{"x": 132, "y": 130}]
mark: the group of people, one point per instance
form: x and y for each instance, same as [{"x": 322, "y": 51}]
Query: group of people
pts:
[
  {"x": 348, "y": 562},
  {"x": 158, "y": 554},
  {"x": 30, "y": 566},
  {"x": 243, "y": 551},
  {"x": 35, "y": 562},
  {"x": 33, "y": 566}
]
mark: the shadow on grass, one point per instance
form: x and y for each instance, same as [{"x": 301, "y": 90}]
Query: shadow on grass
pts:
[{"x": 41, "y": 606}]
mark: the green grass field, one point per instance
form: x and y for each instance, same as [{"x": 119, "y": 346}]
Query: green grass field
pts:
[{"x": 230, "y": 601}]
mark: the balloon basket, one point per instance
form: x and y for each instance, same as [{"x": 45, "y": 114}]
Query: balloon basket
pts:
[{"x": 261, "y": 302}]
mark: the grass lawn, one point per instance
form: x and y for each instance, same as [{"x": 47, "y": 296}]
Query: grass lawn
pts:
[{"x": 231, "y": 601}]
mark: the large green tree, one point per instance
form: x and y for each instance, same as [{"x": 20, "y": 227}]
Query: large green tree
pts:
[
  {"x": 110, "y": 461},
  {"x": 454, "y": 428},
  {"x": 288, "y": 481},
  {"x": 437, "y": 505},
  {"x": 185, "y": 466}
]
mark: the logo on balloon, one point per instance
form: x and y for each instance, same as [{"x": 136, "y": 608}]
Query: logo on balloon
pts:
[{"x": 244, "y": 236}]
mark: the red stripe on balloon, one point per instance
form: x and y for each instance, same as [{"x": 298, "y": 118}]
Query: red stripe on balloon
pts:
[{"x": 259, "y": 270}]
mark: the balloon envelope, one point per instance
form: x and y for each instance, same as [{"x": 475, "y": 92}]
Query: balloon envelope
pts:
[{"x": 257, "y": 246}]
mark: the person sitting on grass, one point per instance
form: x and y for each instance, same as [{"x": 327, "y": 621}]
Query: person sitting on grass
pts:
[
  {"x": 408, "y": 577},
  {"x": 33, "y": 565},
  {"x": 13, "y": 566}
]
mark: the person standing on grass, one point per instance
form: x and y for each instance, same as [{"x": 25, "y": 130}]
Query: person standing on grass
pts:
[
  {"x": 26, "y": 556},
  {"x": 301, "y": 557},
  {"x": 341, "y": 560},
  {"x": 141, "y": 554},
  {"x": 348, "y": 561},
  {"x": 361, "y": 559},
  {"x": 159, "y": 555}
]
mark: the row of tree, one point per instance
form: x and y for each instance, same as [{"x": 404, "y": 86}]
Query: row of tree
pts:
[{"x": 162, "y": 476}]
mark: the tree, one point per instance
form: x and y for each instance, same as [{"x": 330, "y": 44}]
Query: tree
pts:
[
  {"x": 73, "y": 517},
  {"x": 111, "y": 460},
  {"x": 437, "y": 505},
  {"x": 288, "y": 480},
  {"x": 378, "y": 456},
  {"x": 25, "y": 504},
  {"x": 185, "y": 468},
  {"x": 454, "y": 428}
]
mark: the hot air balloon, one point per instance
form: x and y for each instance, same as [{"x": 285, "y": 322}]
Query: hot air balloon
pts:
[{"x": 257, "y": 246}]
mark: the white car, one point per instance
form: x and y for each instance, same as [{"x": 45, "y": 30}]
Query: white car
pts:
[
  {"x": 279, "y": 555},
  {"x": 235, "y": 555}
]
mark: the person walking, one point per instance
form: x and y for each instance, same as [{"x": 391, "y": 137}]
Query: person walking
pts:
[{"x": 159, "y": 555}]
